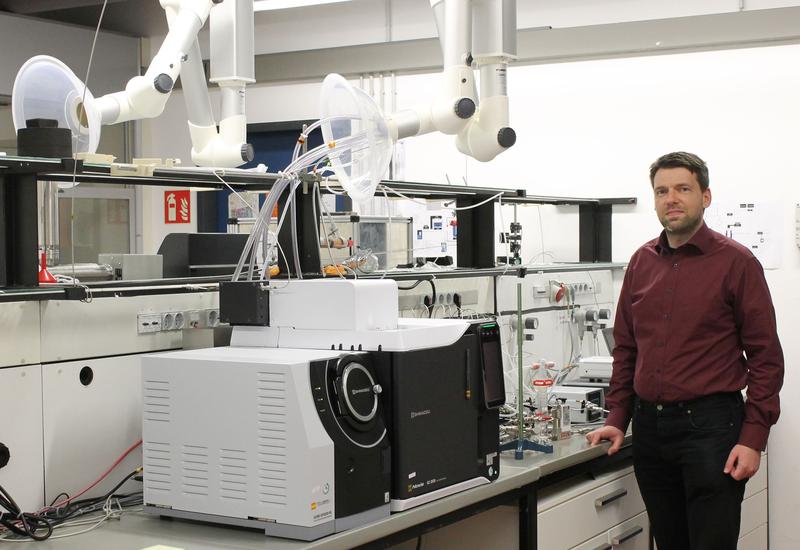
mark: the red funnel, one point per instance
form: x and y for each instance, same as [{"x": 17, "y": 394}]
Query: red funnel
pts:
[{"x": 44, "y": 275}]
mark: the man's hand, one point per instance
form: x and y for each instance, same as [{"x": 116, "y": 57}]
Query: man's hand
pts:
[
  {"x": 743, "y": 462},
  {"x": 607, "y": 433}
]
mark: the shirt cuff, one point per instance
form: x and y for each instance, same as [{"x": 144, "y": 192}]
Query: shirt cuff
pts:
[
  {"x": 619, "y": 418},
  {"x": 753, "y": 436}
]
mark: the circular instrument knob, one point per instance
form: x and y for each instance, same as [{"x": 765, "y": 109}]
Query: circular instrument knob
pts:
[{"x": 359, "y": 393}]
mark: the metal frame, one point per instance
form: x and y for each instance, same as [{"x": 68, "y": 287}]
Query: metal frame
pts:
[{"x": 19, "y": 214}]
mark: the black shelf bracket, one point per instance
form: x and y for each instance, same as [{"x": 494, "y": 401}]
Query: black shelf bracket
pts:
[{"x": 594, "y": 224}]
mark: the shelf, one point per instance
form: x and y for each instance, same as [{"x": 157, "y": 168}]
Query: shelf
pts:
[{"x": 244, "y": 180}]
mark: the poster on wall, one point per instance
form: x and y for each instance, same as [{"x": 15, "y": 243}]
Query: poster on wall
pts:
[
  {"x": 757, "y": 225},
  {"x": 177, "y": 206}
]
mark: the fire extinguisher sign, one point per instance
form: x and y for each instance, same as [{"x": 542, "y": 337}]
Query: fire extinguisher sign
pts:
[{"x": 177, "y": 206}]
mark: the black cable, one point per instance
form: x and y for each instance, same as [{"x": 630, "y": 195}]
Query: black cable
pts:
[
  {"x": 429, "y": 280},
  {"x": 31, "y": 524},
  {"x": 412, "y": 287},
  {"x": 58, "y": 496},
  {"x": 62, "y": 514}
]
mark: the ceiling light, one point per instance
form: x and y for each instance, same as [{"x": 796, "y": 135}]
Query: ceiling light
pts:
[{"x": 264, "y": 5}]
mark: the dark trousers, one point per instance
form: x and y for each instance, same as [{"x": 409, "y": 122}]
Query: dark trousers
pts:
[{"x": 679, "y": 452}]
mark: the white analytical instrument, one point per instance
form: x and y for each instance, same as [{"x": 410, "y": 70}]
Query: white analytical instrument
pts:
[{"x": 311, "y": 423}]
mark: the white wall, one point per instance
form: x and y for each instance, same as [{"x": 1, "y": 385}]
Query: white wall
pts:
[{"x": 116, "y": 56}]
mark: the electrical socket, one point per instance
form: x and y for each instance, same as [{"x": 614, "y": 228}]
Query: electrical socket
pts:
[
  {"x": 409, "y": 301},
  {"x": 173, "y": 320},
  {"x": 211, "y": 318}
]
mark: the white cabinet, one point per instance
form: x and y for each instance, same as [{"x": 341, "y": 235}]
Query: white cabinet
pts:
[
  {"x": 600, "y": 542},
  {"x": 755, "y": 540},
  {"x": 92, "y": 413},
  {"x": 21, "y": 407},
  {"x": 584, "y": 512},
  {"x": 19, "y": 344},
  {"x": 755, "y": 512},
  {"x": 633, "y": 534}
]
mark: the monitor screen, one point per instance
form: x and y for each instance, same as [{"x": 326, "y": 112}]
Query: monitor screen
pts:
[{"x": 494, "y": 389}]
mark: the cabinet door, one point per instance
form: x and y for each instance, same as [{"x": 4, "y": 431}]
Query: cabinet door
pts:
[
  {"x": 92, "y": 413},
  {"x": 21, "y": 406},
  {"x": 633, "y": 534}
]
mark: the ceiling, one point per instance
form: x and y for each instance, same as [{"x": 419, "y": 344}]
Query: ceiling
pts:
[{"x": 131, "y": 17}]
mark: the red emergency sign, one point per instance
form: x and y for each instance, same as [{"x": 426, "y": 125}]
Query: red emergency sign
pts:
[{"x": 177, "y": 206}]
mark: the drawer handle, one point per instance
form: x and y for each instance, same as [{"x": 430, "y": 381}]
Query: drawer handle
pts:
[
  {"x": 627, "y": 535},
  {"x": 609, "y": 498},
  {"x": 605, "y": 546}
]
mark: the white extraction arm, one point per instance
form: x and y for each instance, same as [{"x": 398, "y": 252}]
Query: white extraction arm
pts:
[
  {"x": 46, "y": 88},
  {"x": 232, "y": 67},
  {"x": 481, "y": 126},
  {"x": 456, "y": 103},
  {"x": 488, "y": 134}
]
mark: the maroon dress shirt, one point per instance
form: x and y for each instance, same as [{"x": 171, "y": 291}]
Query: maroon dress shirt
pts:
[{"x": 694, "y": 321}]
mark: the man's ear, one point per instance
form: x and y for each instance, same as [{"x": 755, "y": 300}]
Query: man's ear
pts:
[{"x": 707, "y": 197}]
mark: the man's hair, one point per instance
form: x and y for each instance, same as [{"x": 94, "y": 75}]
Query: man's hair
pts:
[{"x": 680, "y": 159}]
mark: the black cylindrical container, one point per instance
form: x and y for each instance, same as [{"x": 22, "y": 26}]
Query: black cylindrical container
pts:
[{"x": 43, "y": 138}]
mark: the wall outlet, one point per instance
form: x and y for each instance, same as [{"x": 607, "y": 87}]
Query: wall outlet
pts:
[{"x": 173, "y": 320}]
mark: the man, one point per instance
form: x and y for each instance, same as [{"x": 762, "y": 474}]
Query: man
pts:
[{"x": 694, "y": 326}]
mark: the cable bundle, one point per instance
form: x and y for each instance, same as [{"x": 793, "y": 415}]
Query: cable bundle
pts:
[{"x": 289, "y": 180}]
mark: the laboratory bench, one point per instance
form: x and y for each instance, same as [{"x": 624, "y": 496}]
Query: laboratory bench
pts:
[{"x": 532, "y": 484}]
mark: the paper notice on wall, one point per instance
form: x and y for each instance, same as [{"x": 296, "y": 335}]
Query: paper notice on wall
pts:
[{"x": 758, "y": 225}]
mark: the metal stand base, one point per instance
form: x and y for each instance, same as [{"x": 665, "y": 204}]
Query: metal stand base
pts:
[{"x": 521, "y": 445}]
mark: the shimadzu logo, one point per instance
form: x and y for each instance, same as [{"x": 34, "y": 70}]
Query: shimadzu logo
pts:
[{"x": 415, "y": 414}]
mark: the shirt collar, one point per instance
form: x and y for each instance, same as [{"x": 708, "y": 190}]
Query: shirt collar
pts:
[{"x": 701, "y": 241}]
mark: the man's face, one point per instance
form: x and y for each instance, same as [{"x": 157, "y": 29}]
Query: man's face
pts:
[{"x": 679, "y": 200}]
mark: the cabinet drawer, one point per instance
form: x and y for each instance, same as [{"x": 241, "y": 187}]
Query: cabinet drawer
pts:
[
  {"x": 758, "y": 482},
  {"x": 754, "y": 512},
  {"x": 633, "y": 534},
  {"x": 600, "y": 542},
  {"x": 755, "y": 540},
  {"x": 591, "y": 513}
]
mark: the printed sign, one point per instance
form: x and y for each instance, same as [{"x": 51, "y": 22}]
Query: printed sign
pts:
[{"x": 177, "y": 206}]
